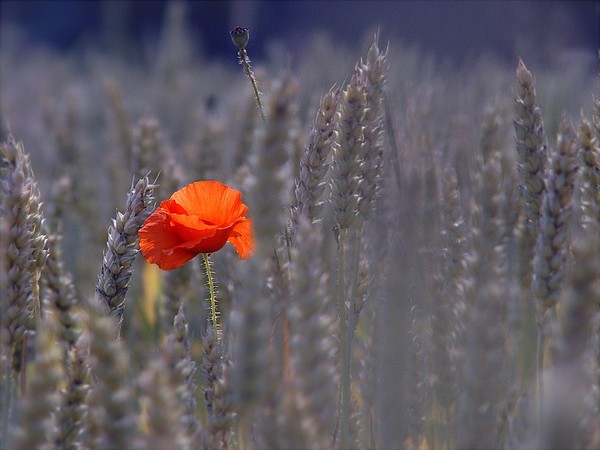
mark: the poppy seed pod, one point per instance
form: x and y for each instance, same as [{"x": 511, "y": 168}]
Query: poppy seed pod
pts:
[{"x": 240, "y": 36}]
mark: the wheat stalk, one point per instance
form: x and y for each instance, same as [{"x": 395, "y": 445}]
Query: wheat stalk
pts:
[
  {"x": 38, "y": 426},
  {"x": 111, "y": 418},
  {"x": 73, "y": 396}
]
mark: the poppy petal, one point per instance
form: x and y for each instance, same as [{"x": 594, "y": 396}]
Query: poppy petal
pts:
[
  {"x": 192, "y": 228},
  {"x": 172, "y": 207},
  {"x": 200, "y": 218},
  {"x": 215, "y": 202},
  {"x": 242, "y": 238},
  {"x": 159, "y": 242},
  {"x": 209, "y": 244}
]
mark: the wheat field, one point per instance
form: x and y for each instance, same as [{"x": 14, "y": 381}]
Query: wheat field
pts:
[{"x": 426, "y": 272}]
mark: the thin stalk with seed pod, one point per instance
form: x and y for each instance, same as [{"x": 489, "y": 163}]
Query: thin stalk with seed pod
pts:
[{"x": 240, "y": 37}]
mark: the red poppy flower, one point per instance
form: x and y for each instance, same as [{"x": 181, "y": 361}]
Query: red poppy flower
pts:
[{"x": 200, "y": 218}]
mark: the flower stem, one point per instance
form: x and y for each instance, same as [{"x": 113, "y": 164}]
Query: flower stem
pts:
[
  {"x": 8, "y": 397},
  {"x": 351, "y": 321},
  {"x": 245, "y": 62},
  {"x": 343, "y": 412},
  {"x": 539, "y": 367},
  {"x": 211, "y": 290}
]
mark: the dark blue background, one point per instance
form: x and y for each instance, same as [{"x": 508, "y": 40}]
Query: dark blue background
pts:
[{"x": 452, "y": 29}]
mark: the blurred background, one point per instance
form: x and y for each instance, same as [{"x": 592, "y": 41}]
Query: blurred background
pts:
[
  {"x": 104, "y": 92},
  {"x": 541, "y": 32}
]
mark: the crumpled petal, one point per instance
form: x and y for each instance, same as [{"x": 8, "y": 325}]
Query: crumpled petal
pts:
[
  {"x": 242, "y": 239},
  {"x": 214, "y": 202},
  {"x": 160, "y": 244}
]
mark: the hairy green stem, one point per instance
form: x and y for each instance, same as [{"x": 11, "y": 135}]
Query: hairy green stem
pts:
[
  {"x": 245, "y": 62},
  {"x": 211, "y": 290}
]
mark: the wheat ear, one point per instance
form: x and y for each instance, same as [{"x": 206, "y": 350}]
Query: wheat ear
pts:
[
  {"x": 122, "y": 248},
  {"x": 551, "y": 248},
  {"x": 26, "y": 250},
  {"x": 111, "y": 418},
  {"x": 310, "y": 184}
]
